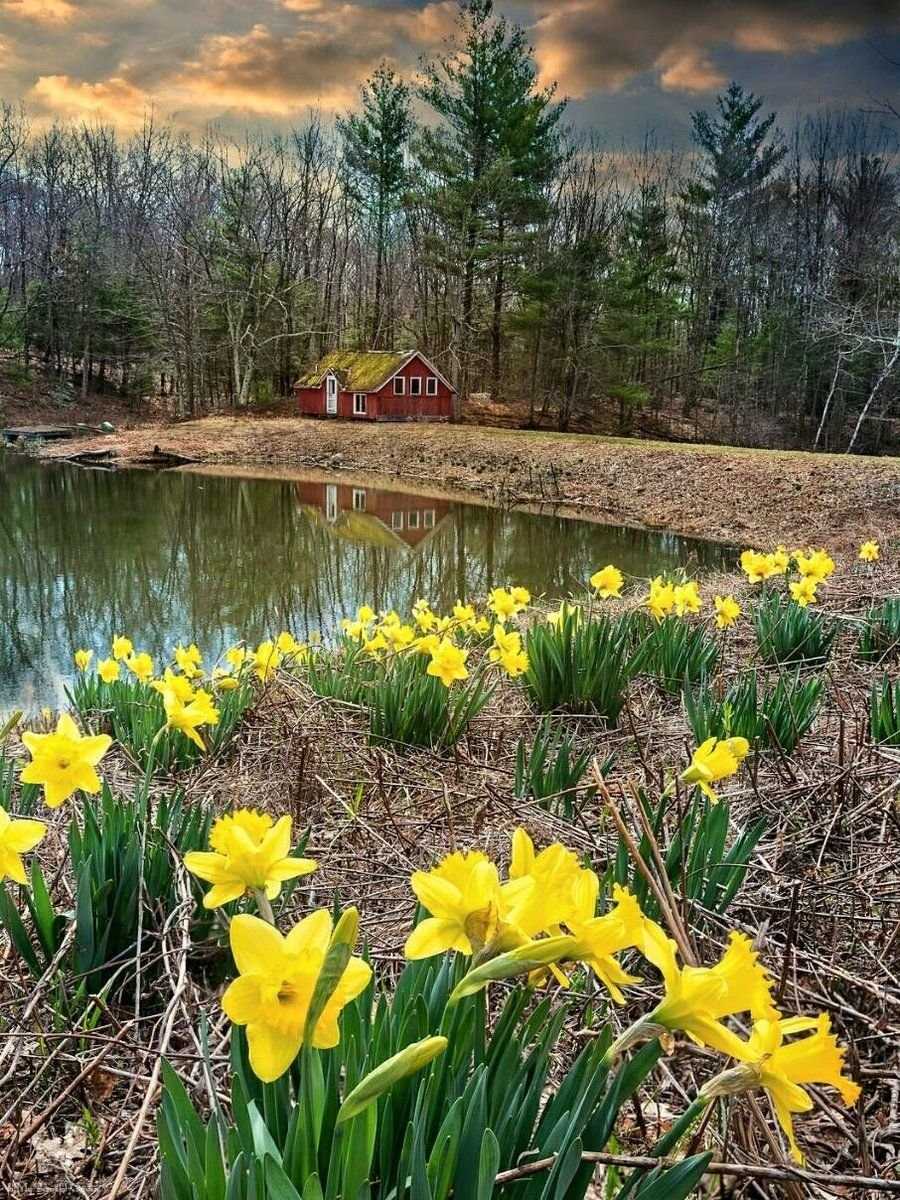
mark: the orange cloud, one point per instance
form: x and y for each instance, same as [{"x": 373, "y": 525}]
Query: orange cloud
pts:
[
  {"x": 115, "y": 100},
  {"x": 688, "y": 71},
  {"x": 43, "y": 12}
]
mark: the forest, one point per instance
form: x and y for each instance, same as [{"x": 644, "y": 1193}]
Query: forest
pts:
[{"x": 744, "y": 289}]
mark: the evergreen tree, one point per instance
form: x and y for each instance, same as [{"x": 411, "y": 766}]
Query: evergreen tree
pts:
[{"x": 374, "y": 145}]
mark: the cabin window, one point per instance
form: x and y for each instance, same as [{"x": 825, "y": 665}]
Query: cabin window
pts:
[
  {"x": 399, "y": 385},
  {"x": 359, "y": 500},
  {"x": 396, "y": 520},
  {"x": 412, "y": 520},
  {"x": 359, "y": 404},
  {"x": 428, "y": 518},
  {"x": 431, "y": 385},
  {"x": 415, "y": 385}
]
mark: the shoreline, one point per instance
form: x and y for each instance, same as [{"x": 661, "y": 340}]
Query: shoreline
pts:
[{"x": 694, "y": 490}]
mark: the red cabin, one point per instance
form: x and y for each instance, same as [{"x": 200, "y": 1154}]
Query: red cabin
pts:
[
  {"x": 375, "y": 385},
  {"x": 376, "y": 516}
]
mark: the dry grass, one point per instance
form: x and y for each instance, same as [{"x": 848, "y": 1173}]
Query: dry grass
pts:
[{"x": 822, "y": 897}]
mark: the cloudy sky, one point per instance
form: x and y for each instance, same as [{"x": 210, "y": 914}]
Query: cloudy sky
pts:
[{"x": 627, "y": 65}]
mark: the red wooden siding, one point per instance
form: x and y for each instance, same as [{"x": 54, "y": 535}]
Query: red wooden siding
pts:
[
  {"x": 409, "y": 517},
  {"x": 383, "y": 404}
]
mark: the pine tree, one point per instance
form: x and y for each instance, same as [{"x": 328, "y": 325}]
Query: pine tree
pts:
[{"x": 375, "y": 144}]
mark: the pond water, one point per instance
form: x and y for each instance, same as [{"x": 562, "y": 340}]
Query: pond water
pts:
[{"x": 177, "y": 555}]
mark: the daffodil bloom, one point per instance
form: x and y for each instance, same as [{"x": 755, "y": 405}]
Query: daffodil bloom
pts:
[
  {"x": 819, "y": 565},
  {"x": 481, "y": 625},
  {"x": 607, "y": 582},
  {"x": 757, "y": 567},
  {"x": 188, "y": 715},
  {"x": 287, "y": 643},
  {"x": 698, "y": 998},
  {"x": 557, "y": 882},
  {"x": 427, "y": 644},
  {"x": 869, "y": 552},
  {"x": 83, "y": 659},
  {"x": 780, "y": 560},
  {"x": 236, "y": 657},
  {"x": 515, "y": 663},
  {"x": 598, "y": 939},
  {"x": 425, "y": 619},
  {"x": 464, "y": 613},
  {"x": 782, "y": 1067},
  {"x": 179, "y": 684},
  {"x": 400, "y": 636},
  {"x": 686, "y": 598},
  {"x": 375, "y": 645},
  {"x": 355, "y": 630},
  {"x": 506, "y": 641},
  {"x": 266, "y": 660},
  {"x": 727, "y": 611},
  {"x": 803, "y": 591},
  {"x": 714, "y": 760},
  {"x": 502, "y": 604},
  {"x": 272, "y": 993},
  {"x": 122, "y": 647},
  {"x": 448, "y": 663},
  {"x": 247, "y": 853},
  {"x": 661, "y": 598},
  {"x": 521, "y": 597},
  {"x": 462, "y": 894},
  {"x": 140, "y": 665},
  {"x": 17, "y": 837},
  {"x": 64, "y": 761},
  {"x": 224, "y": 680},
  {"x": 365, "y": 615},
  {"x": 108, "y": 670},
  {"x": 188, "y": 659}
]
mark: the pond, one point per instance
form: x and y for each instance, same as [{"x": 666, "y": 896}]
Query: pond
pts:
[{"x": 180, "y": 555}]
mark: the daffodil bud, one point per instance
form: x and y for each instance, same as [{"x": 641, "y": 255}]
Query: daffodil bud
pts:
[
  {"x": 520, "y": 961},
  {"x": 389, "y": 1073}
]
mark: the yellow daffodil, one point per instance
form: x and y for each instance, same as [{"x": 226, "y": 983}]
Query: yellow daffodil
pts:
[
  {"x": 266, "y": 660},
  {"x": 803, "y": 591},
  {"x": 464, "y": 614},
  {"x": 818, "y": 565},
  {"x": 506, "y": 641},
  {"x": 375, "y": 645},
  {"x": 224, "y": 680},
  {"x": 17, "y": 837},
  {"x": 179, "y": 684},
  {"x": 698, "y": 998},
  {"x": 425, "y": 619},
  {"x": 521, "y": 597},
  {"x": 869, "y": 552},
  {"x": 598, "y": 939},
  {"x": 400, "y": 636},
  {"x": 782, "y": 1067},
  {"x": 140, "y": 665},
  {"x": 661, "y": 598},
  {"x": 448, "y": 663},
  {"x": 505, "y": 603},
  {"x": 714, "y": 760},
  {"x": 276, "y": 981},
  {"x": 727, "y": 611},
  {"x": 188, "y": 659},
  {"x": 236, "y": 657},
  {"x": 514, "y": 664},
  {"x": 122, "y": 647},
  {"x": 427, "y": 644},
  {"x": 555, "y": 877},
  {"x": 607, "y": 582},
  {"x": 247, "y": 853},
  {"x": 365, "y": 615},
  {"x": 188, "y": 715},
  {"x": 481, "y": 625},
  {"x": 83, "y": 659},
  {"x": 64, "y": 761},
  {"x": 757, "y": 567},
  {"x": 686, "y": 598},
  {"x": 287, "y": 643},
  {"x": 462, "y": 894},
  {"x": 108, "y": 670}
]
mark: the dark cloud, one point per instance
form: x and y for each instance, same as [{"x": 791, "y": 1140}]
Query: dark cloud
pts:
[{"x": 629, "y": 62}]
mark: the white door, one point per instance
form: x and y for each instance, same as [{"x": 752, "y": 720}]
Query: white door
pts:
[
  {"x": 331, "y": 502},
  {"x": 331, "y": 395}
]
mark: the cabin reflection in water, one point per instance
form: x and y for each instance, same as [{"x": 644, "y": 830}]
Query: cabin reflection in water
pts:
[{"x": 373, "y": 516}]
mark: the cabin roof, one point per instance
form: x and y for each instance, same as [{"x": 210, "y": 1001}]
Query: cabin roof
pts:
[{"x": 357, "y": 370}]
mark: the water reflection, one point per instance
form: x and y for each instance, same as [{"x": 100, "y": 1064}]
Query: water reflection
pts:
[{"x": 167, "y": 556}]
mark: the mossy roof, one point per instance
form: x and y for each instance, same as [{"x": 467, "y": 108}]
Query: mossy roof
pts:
[{"x": 357, "y": 370}]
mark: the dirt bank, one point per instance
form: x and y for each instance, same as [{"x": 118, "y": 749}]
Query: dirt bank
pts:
[{"x": 748, "y": 496}]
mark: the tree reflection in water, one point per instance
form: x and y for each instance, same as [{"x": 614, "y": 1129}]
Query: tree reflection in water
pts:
[{"x": 168, "y": 556}]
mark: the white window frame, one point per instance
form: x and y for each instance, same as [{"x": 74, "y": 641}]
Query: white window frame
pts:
[
  {"x": 431, "y": 385},
  {"x": 414, "y": 382},
  {"x": 399, "y": 385},
  {"x": 359, "y": 404},
  {"x": 359, "y": 499},
  {"x": 397, "y": 521},
  {"x": 412, "y": 519},
  {"x": 428, "y": 518}
]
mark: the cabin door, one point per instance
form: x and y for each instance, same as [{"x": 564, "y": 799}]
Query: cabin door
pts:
[{"x": 331, "y": 395}]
